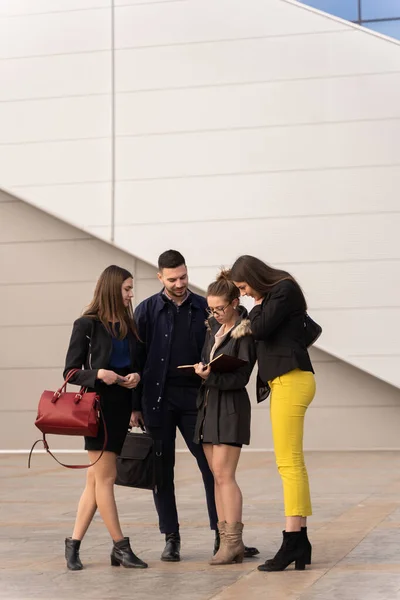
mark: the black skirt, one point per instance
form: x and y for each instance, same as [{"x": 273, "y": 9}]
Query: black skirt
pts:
[{"x": 116, "y": 404}]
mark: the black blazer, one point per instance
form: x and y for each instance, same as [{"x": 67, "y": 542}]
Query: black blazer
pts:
[
  {"x": 278, "y": 328},
  {"x": 91, "y": 346}
]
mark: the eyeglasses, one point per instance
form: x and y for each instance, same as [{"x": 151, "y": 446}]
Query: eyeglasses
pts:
[{"x": 220, "y": 310}]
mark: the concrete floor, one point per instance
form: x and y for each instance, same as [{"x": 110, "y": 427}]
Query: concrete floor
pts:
[{"x": 354, "y": 531}]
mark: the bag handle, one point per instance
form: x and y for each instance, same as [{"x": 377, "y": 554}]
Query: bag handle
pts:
[
  {"x": 44, "y": 441},
  {"x": 46, "y": 447},
  {"x": 63, "y": 388}
]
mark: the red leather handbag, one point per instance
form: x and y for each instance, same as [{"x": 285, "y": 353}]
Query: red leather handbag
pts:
[{"x": 68, "y": 413}]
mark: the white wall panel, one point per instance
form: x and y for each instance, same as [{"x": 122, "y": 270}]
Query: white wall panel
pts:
[
  {"x": 281, "y": 194},
  {"x": 27, "y": 224},
  {"x": 134, "y": 2},
  {"x": 101, "y": 231},
  {"x": 23, "y": 7},
  {"x": 360, "y": 390},
  {"x": 317, "y": 238},
  {"x": 258, "y": 105},
  {"x": 7, "y": 198},
  {"x": 55, "y": 119},
  {"x": 22, "y": 356},
  {"x": 50, "y": 263},
  {"x": 269, "y": 59},
  {"x": 300, "y": 167},
  {"x": 18, "y": 431},
  {"x": 145, "y": 271},
  {"x": 145, "y": 288},
  {"x": 203, "y": 20},
  {"x": 55, "y": 33},
  {"x": 328, "y": 429},
  {"x": 32, "y": 379},
  {"x": 333, "y": 429},
  {"x": 46, "y": 283},
  {"x": 88, "y": 204},
  {"x": 44, "y": 304},
  {"x": 386, "y": 365},
  {"x": 380, "y": 337},
  {"x": 271, "y": 149},
  {"x": 63, "y": 75},
  {"x": 58, "y": 162},
  {"x": 345, "y": 284}
]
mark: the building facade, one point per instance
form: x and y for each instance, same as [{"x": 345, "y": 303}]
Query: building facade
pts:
[
  {"x": 222, "y": 127},
  {"x": 47, "y": 276}
]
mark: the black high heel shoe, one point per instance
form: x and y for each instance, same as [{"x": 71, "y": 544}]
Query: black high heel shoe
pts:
[
  {"x": 307, "y": 546},
  {"x": 122, "y": 554},
  {"x": 72, "y": 554},
  {"x": 293, "y": 549}
]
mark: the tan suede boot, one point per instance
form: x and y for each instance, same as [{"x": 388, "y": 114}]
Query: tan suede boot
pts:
[
  {"x": 221, "y": 531},
  {"x": 232, "y": 547}
]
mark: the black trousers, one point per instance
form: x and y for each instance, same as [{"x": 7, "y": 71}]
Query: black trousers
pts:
[{"x": 179, "y": 411}]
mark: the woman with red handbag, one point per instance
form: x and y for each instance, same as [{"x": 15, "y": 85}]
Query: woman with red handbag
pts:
[{"x": 105, "y": 347}]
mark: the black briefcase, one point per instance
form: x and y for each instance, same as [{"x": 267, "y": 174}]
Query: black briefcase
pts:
[{"x": 139, "y": 464}]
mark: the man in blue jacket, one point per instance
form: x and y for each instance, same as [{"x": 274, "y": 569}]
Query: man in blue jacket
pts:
[{"x": 172, "y": 325}]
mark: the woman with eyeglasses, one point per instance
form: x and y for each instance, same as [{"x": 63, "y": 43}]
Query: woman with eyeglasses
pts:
[{"x": 223, "y": 422}]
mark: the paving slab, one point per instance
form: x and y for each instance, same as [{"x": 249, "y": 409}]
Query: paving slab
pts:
[{"x": 355, "y": 531}]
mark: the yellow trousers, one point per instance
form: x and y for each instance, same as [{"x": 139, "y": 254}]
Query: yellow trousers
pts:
[{"x": 291, "y": 394}]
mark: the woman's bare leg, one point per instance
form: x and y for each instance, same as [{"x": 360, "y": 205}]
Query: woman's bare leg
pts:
[
  {"x": 87, "y": 506},
  {"x": 208, "y": 451},
  {"x": 224, "y": 463},
  {"x": 105, "y": 472}
]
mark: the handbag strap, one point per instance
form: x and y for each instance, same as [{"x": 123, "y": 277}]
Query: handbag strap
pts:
[{"x": 46, "y": 447}]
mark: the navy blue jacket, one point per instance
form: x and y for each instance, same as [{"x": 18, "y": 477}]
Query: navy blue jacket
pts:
[{"x": 155, "y": 322}]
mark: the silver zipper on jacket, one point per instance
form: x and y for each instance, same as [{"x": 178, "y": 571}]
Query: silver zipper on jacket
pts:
[{"x": 90, "y": 352}]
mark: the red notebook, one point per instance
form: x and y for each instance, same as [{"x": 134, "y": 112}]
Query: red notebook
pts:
[{"x": 221, "y": 364}]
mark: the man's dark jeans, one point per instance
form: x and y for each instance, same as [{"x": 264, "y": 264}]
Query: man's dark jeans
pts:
[{"x": 179, "y": 411}]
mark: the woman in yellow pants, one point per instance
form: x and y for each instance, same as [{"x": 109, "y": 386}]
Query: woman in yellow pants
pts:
[{"x": 278, "y": 326}]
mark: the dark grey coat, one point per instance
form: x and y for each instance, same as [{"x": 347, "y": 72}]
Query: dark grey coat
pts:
[{"x": 223, "y": 402}]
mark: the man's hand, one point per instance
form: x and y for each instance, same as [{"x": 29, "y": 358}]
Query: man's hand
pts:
[
  {"x": 136, "y": 419},
  {"x": 131, "y": 381},
  {"x": 201, "y": 370}
]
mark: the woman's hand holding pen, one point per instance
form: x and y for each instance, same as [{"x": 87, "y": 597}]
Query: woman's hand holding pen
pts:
[{"x": 202, "y": 370}]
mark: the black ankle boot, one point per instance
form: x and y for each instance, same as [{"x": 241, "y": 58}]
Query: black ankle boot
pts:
[
  {"x": 122, "y": 554},
  {"x": 217, "y": 542},
  {"x": 250, "y": 551},
  {"x": 293, "y": 549},
  {"x": 307, "y": 546},
  {"x": 72, "y": 554},
  {"x": 171, "y": 552}
]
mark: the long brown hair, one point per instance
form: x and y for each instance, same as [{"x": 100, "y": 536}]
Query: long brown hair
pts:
[
  {"x": 259, "y": 276},
  {"x": 107, "y": 304}
]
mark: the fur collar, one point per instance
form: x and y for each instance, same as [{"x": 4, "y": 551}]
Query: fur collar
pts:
[{"x": 241, "y": 329}]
